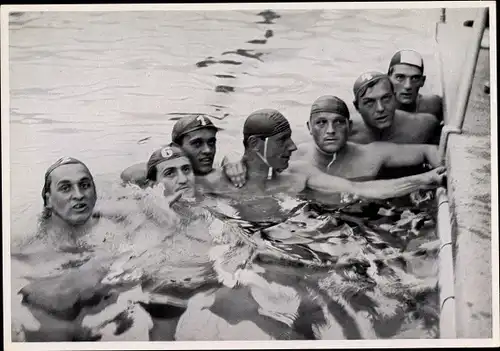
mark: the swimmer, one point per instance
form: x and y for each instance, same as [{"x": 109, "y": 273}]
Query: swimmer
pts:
[
  {"x": 375, "y": 100},
  {"x": 406, "y": 71},
  {"x": 268, "y": 148},
  {"x": 331, "y": 152},
  {"x": 196, "y": 135}
]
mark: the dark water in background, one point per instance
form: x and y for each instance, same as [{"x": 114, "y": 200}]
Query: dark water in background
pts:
[
  {"x": 93, "y": 84},
  {"x": 107, "y": 88}
]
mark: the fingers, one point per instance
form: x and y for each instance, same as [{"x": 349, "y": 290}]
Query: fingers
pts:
[
  {"x": 236, "y": 172},
  {"x": 175, "y": 197}
]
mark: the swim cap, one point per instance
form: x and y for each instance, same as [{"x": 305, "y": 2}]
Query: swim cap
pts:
[
  {"x": 365, "y": 79},
  {"x": 332, "y": 104},
  {"x": 407, "y": 57},
  {"x": 265, "y": 123},
  {"x": 165, "y": 153},
  {"x": 191, "y": 123},
  {"x": 62, "y": 161}
]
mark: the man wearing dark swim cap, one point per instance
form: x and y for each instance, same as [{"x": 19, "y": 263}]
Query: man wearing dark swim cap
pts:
[
  {"x": 268, "y": 148},
  {"x": 196, "y": 135},
  {"x": 406, "y": 71},
  {"x": 374, "y": 99},
  {"x": 171, "y": 167},
  {"x": 330, "y": 126}
]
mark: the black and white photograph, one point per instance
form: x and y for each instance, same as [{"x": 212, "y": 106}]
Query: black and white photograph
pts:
[{"x": 249, "y": 175}]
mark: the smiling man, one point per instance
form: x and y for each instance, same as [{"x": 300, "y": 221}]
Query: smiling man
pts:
[
  {"x": 406, "y": 71},
  {"x": 375, "y": 100},
  {"x": 197, "y": 136}
]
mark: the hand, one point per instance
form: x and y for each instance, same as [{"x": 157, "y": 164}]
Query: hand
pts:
[
  {"x": 235, "y": 171},
  {"x": 436, "y": 176}
]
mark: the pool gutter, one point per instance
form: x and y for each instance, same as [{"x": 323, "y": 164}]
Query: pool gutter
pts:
[{"x": 464, "y": 213}]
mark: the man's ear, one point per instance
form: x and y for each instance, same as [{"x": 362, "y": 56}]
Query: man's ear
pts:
[
  {"x": 350, "y": 125},
  {"x": 253, "y": 143},
  {"x": 423, "y": 81},
  {"x": 48, "y": 203},
  {"x": 309, "y": 127},
  {"x": 355, "y": 103}
]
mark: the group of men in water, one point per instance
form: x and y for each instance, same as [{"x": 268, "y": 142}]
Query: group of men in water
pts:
[{"x": 399, "y": 131}]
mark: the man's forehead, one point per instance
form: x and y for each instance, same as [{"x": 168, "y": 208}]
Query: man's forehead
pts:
[
  {"x": 382, "y": 87},
  {"x": 205, "y": 133},
  {"x": 176, "y": 162},
  {"x": 70, "y": 172},
  {"x": 406, "y": 69},
  {"x": 328, "y": 115}
]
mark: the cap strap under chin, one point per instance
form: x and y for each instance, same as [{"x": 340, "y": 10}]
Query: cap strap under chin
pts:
[{"x": 264, "y": 159}]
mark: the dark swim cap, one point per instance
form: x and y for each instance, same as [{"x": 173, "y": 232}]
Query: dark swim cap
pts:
[
  {"x": 60, "y": 162},
  {"x": 365, "y": 80},
  {"x": 191, "y": 123},
  {"x": 331, "y": 104},
  {"x": 265, "y": 123},
  {"x": 407, "y": 57},
  {"x": 165, "y": 153}
]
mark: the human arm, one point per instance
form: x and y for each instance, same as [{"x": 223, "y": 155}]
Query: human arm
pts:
[
  {"x": 377, "y": 189},
  {"x": 404, "y": 155}
]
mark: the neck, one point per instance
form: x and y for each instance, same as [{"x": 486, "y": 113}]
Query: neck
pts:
[
  {"x": 324, "y": 159},
  {"x": 64, "y": 231},
  {"x": 257, "y": 169}
]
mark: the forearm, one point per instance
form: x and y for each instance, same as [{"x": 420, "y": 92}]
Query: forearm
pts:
[{"x": 384, "y": 189}]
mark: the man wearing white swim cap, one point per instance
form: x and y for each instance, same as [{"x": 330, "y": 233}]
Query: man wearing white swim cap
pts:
[
  {"x": 406, "y": 71},
  {"x": 375, "y": 100},
  {"x": 268, "y": 148}
]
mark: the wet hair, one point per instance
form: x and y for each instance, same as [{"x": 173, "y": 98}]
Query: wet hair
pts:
[{"x": 362, "y": 91}]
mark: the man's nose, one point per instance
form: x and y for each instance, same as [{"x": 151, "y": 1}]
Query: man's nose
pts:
[
  {"x": 407, "y": 83},
  {"x": 292, "y": 146},
  {"x": 206, "y": 149},
  {"x": 330, "y": 129},
  {"x": 380, "y": 106},
  {"x": 77, "y": 193},
  {"x": 181, "y": 177}
]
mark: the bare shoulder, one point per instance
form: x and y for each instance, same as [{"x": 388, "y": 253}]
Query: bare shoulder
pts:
[{"x": 360, "y": 134}]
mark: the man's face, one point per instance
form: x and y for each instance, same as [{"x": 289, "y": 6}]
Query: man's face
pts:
[
  {"x": 200, "y": 146},
  {"x": 329, "y": 130},
  {"x": 176, "y": 175},
  {"x": 377, "y": 105},
  {"x": 407, "y": 81},
  {"x": 72, "y": 195},
  {"x": 279, "y": 149}
]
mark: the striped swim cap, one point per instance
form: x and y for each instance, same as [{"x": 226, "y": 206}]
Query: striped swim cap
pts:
[
  {"x": 407, "y": 57},
  {"x": 331, "y": 104}
]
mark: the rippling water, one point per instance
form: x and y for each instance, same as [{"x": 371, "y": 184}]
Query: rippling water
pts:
[{"x": 92, "y": 84}]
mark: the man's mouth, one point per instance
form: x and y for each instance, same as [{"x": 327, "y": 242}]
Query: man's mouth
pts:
[
  {"x": 80, "y": 207},
  {"x": 206, "y": 160},
  {"x": 381, "y": 118},
  {"x": 330, "y": 140},
  {"x": 405, "y": 95}
]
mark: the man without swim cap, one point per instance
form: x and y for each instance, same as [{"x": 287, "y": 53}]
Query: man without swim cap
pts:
[
  {"x": 330, "y": 104},
  {"x": 189, "y": 124}
]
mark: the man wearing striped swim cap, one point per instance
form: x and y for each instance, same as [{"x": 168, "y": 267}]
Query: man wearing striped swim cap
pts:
[
  {"x": 375, "y": 100},
  {"x": 406, "y": 71}
]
